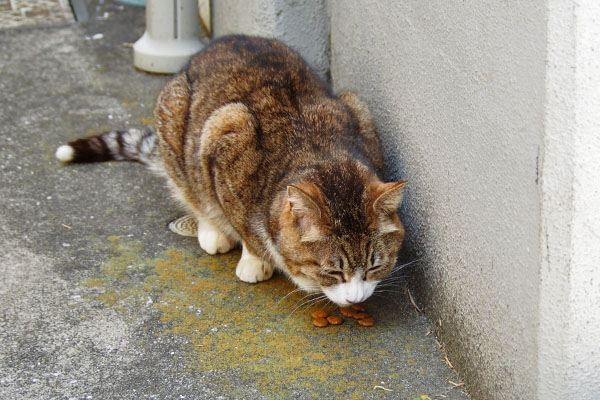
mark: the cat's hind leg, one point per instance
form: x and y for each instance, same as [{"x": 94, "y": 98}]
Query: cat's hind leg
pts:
[
  {"x": 211, "y": 239},
  {"x": 251, "y": 268}
]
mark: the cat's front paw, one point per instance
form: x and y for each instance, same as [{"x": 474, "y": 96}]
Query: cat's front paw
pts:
[
  {"x": 253, "y": 270},
  {"x": 213, "y": 241}
]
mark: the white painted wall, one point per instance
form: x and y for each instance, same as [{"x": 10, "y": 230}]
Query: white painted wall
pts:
[
  {"x": 491, "y": 110},
  {"x": 569, "y": 335}
]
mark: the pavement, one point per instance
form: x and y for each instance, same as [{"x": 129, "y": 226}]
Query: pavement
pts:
[
  {"x": 99, "y": 300},
  {"x": 19, "y": 13}
]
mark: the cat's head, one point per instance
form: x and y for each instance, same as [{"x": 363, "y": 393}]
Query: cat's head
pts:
[{"x": 343, "y": 240}]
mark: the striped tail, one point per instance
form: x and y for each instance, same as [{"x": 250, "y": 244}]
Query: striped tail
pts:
[{"x": 130, "y": 145}]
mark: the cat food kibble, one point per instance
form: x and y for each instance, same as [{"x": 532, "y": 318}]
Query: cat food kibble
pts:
[
  {"x": 347, "y": 311},
  {"x": 360, "y": 315},
  {"x": 321, "y": 318},
  {"x": 319, "y": 314}
]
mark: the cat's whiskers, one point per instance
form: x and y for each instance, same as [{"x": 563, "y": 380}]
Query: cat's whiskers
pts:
[
  {"x": 386, "y": 291},
  {"x": 392, "y": 284},
  {"x": 310, "y": 296},
  {"x": 292, "y": 292},
  {"x": 310, "y": 302},
  {"x": 395, "y": 282},
  {"x": 309, "y": 289},
  {"x": 387, "y": 298},
  {"x": 393, "y": 278},
  {"x": 398, "y": 284},
  {"x": 405, "y": 265},
  {"x": 317, "y": 301}
]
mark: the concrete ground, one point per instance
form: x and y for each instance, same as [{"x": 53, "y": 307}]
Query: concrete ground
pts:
[{"x": 99, "y": 300}]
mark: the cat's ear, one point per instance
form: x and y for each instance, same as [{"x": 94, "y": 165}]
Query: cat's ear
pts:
[
  {"x": 308, "y": 209},
  {"x": 385, "y": 199}
]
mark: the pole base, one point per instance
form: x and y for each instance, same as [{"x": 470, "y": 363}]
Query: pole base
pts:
[{"x": 163, "y": 56}]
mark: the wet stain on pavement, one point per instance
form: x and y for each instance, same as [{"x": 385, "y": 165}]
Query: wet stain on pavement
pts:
[{"x": 252, "y": 334}]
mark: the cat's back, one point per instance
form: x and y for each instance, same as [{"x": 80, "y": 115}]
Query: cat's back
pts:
[
  {"x": 263, "y": 74},
  {"x": 256, "y": 59},
  {"x": 252, "y": 112}
]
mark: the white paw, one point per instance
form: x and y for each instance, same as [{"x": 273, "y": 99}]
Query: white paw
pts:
[
  {"x": 213, "y": 242},
  {"x": 253, "y": 270}
]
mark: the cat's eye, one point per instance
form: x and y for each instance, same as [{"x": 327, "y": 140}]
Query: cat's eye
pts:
[
  {"x": 375, "y": 264},
  {"x": 372, "y": 258},
  {"x": 336, "y": 273},
  {"x": 371, "y": 269},
  {"x": 335, "y": 268},
  {"x": 374, "y": 267}
]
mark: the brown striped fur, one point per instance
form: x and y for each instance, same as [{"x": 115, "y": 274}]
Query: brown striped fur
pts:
[
  {"x": 264, "y": 154},
  {"x": 261, "y": 150}
]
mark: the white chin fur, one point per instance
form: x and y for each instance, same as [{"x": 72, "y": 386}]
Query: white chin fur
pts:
[
  {"x": 65, "y": 153},
  {"x": 355, "y": 291}
]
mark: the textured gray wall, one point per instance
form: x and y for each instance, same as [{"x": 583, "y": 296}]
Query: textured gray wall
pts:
[
  {"x": 457, "y": 90},
  {"x": 303, "y": 25}
]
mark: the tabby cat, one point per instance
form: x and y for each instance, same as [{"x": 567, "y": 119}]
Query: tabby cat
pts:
[{"x": 262, "y": 153}]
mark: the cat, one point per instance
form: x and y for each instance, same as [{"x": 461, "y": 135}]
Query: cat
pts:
[{"x": 263, "y": 154}]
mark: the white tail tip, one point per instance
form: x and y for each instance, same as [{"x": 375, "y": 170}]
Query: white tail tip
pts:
[{"x": 65, "y": 153}]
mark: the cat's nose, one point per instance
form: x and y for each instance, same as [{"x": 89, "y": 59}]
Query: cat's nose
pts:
[
  {"x": 355, "y": 294},
  {"x": 354, "y": 300}
]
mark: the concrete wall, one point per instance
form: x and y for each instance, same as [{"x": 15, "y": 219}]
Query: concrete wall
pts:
[
  {"x": 457, "y": 89},
  {"x": 491, "y": 111},
  {"x": 304, "y": 25},
  {"x": 569, "y": 337}
]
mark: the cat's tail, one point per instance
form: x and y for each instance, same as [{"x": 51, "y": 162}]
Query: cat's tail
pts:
[{"x": 130, "y": 145}]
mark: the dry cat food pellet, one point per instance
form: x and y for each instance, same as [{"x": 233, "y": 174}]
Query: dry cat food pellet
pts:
[
  {"x": 347, "y": 311},
  {"x": 321, "y": 318},
  {"x": 319, "y": 314},
  {"x": 360, "y": 315},
  {"x": 320, "y": 322}
]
